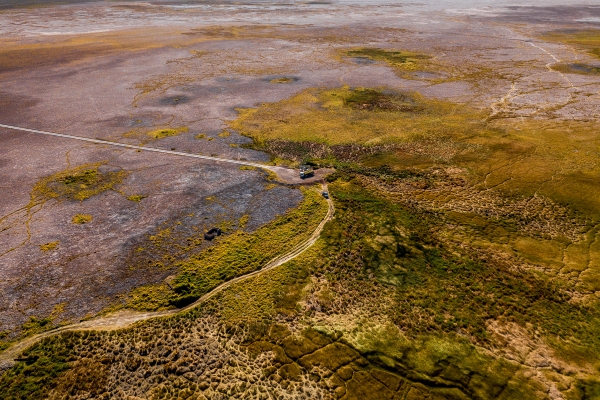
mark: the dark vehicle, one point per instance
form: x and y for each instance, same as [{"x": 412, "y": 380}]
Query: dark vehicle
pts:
[
  {"x": 325, "y": 194},
  {"x": 306, "y": 171},
  {"x": 212, "y": 233}
]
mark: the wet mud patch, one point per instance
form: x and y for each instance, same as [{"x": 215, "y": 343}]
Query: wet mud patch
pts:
[
  {"x": 228, "y": 79},
  {"x": 400, "y": 60},
  {"x": 174, "y": 100},
  {"x": 362, "y": 60},
  {"x": 281, "y": 79},
  {"x": 563, "y": 14},
  {"x": 578, "y": 68},
  {"x": 13, "y": 106},
  {"x": 245, "y": 207},
  {"x": 137, "y": 122},
  {"x": 382, "y": 100}
]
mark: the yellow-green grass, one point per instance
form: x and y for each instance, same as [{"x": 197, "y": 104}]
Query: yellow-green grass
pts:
[
  {"x": 78, "y": 183},
  {"x": 81, "y": 219},
  {"x": 234, "y": 255},
  {"x": 356, "y": 115},
  {"x": 432, "y": 289},
  {"x": 585, "y": 39},
  {"x": 284, "y": 79},
  {"x": 403, "y": 62},
  {"x": 166, "y": 132},
  {"x": 554, "y": 159},
  {"x": 136, "y": 198},
  {"x": 49, "y": 246}
]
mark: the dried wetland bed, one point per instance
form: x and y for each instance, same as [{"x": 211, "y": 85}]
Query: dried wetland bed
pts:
[{"x": 458, "y": 146}]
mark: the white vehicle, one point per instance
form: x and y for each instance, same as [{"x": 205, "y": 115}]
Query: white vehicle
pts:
[{"x": 306, "y": 171}]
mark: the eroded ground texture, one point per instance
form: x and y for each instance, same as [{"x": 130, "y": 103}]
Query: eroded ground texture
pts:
[{"x": 463, "y": 261}]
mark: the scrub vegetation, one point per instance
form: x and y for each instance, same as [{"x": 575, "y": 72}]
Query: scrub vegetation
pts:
[
  {"x": 363, "y": 116},
  {"x": 82, "y": 219},
  {"x": 236, "y": 254},
  {"x": 404, "y": 63},
  {"x": 77, "y": 183},
  {"x": 454, "y": 268},
  {"x": 587, "y": 39},
  {"x": 462, "y": 263},
  {"x": 166, "y": 132}
]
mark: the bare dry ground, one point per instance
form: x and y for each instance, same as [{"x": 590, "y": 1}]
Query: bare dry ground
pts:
[{"x": 472, "y": 127}]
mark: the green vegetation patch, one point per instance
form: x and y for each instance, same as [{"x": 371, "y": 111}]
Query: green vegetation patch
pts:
[
  {"x": 377, "y": 100},
  {"x": 49, "y": 246},
  {"x": 399, "y": 60},
  {"x": 35, "y": 377},
  {"x": 234, "y": 255},
  {"x": 283, "y": 79},
  {"x": 437, "y": 287},
  {"x": 166, "y": 132},
  {"x": 347, "y": 115},
  {"x": 136, "y": 198},
  {"x": 586, "y": 39},
  {"x": 82, "y": 219},
  {"x": 77, "y": 183}
]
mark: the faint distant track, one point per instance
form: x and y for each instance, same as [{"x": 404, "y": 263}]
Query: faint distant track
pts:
[
  {"x": 144, "y": 148},
  {"x": 117, "y": 321}
]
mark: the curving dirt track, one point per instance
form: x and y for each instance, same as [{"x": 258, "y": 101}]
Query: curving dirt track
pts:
[{"x": 124, "y": 319}]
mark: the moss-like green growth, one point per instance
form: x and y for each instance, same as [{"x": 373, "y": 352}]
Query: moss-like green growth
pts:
[
  {"x": 49, "y": 246},
  {"x": 394, "y": 57},
  {"x": 77, "y": 183},
  {"x": 585, "y": 39},
  {"x": 403, "y": 62},
  {"x": 243, "y": 221},
  {"x": 82, "y": 218},
  {"x": 33, "y": 378},
  {"x": 377, "y": 100},
  {"x": 36, "y": 325},
  {"x": 283, "y": 79},
  {"x": 166, "y": 132},
  {"x": 248, "y": 168},
  {"x": 136, "y": 198}
]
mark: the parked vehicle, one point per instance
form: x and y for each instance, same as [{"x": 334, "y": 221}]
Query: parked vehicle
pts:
[
  {"x": 306, "y": 171},
  {"x": 325, "y": 194}
]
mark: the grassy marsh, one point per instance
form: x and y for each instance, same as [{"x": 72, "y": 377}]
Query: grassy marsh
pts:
[
  {"x": 404, "y": 63},
  {"x": 586, "y": 39},
  {"x": 78, "y": 183},
  {"x": 357, "y": 115}
]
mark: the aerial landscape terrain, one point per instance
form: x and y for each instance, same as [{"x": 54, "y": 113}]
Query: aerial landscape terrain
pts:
[{"x": 157, "y": 239}]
